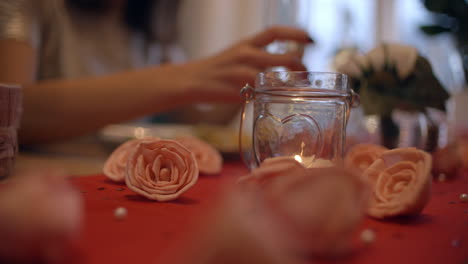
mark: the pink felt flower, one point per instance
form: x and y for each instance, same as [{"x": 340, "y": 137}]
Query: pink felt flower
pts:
[
  {"x": 401, "y": 182},
  {"x": 116, "y": 165},
  {"x": 361, "y": 156},
  {"x": 239, "y": 229},
  {"x": 161, "y": 169},
  {"x": 447, "y": 160},
  {"x": 321, "y": 207},
  {"x": 463, "y": 153},
  {"x": 208, "y": 158},
  {"x": 40, "y": 216}
]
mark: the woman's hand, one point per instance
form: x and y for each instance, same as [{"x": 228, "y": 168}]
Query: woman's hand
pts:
[
  {"x": 73, "y": 107},
  {"x": 220, "y": 77}
]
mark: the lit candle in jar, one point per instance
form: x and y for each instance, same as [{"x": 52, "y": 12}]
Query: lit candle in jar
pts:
[{"x": 312, "y": 162}]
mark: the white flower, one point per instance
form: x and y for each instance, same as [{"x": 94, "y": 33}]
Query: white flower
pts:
[
  {"x": 350, "y": 62},
  {"x": 402, "y": 57},
  {"x": 376, "y": 58}
]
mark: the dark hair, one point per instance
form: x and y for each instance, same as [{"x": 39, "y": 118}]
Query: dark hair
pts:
[{"x": 139, "y": 15}]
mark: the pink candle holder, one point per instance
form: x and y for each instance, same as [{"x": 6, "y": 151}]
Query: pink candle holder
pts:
[{"x": 10, "y": 116}]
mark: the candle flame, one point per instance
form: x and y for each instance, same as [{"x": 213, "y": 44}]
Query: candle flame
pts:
[{"x": 298, "y": 158}]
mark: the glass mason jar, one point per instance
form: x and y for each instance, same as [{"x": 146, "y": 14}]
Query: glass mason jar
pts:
[{"x": 302, "y": 115}]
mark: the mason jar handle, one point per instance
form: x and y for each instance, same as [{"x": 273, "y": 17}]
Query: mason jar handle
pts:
[
  {"x": 247, "y": 94},
  {"x": 355, "y": 99}
]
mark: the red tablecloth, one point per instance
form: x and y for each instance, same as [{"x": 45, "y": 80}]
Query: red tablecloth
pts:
[{"x": 439, "y": 235}]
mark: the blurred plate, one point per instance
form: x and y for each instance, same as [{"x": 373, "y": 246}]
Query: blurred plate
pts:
[{"x": 225, "y": 139}]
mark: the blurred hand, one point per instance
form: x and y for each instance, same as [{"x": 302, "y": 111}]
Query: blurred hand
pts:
[{"x": 220, "y": 77}]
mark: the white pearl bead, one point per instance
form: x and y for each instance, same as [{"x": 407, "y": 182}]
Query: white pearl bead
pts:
[
  {"x": 442, "y": 177},
  {"x": 464, "y": 197},
  {"x": 120, "y": 213},
  {"x": 368, "y": 236}
]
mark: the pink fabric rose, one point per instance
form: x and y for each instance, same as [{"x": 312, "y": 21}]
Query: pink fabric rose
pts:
[
  {"x": 320, "y": 206},
  {"x": 40, "y": 218},
  {"x": 446, "y": 160},
  {"x": 116, "y": 165},
  {"x": 401, "y": 182},
  {"x": 361, "y": 156},
  {"x": 208, "y": 158},
  {"x": 240, "y": 229},
  {"x": 462, "y": 152},
  {"x": 161, "y": 169}
]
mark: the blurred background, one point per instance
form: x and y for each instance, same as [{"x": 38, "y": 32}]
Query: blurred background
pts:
[{"x": 208, "y": 26}]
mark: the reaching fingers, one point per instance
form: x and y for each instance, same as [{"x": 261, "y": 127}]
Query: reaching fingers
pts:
[
  {"x": 279, "y": 33},
  {"x": 261, "y": 59},
  {"x": 290, "y": 61}
]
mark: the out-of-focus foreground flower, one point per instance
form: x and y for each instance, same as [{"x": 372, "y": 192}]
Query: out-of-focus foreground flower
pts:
[
  {"x": 281, "y": 212},
  {"x": 40, "y": 218}
]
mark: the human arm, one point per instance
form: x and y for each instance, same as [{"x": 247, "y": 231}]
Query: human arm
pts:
[{"x": 60, "y": 109}]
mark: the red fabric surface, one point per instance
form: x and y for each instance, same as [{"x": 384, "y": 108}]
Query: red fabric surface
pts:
[{"x": 439, "y": 235}]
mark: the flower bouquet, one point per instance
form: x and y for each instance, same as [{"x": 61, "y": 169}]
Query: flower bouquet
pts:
[{"x": 390, "y": 77}]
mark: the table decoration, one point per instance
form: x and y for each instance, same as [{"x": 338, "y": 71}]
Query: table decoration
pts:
[
  {"x": 208, "y": 158},
  {"x": 120, "y": 213},
  {"x": 10, "y": 116},
  {"x": 394, "y": 77},
  {"x": 204, "y": 223},
  {"x": 401, "y": 182},
  {"x": 40, "y": 218},
  {"x": 446, "y": 161},
  {"x": 320, "y": 207},
  {"x": 464, "y": 197},
  {"x": 8, "y": 150},
  {"x": 115, "y": 166},
  {"x": 361, "y": 156},
  {"x": 400, "y": 178},
  {"x": 240, "y": 228},
  {"x": 11, "y": 106},
  {"x": 368, "y": 236},
  {"x": 296, "y": 114},
  {"x": 161, "y": 169},
  {"x": 165, "y": 168},
  {"x": 451, "y": 159}
]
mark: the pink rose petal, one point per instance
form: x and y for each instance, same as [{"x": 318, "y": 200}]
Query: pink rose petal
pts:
[
  {"x": 447, "y": 160},
  {"x": 239, "y": 229},
  {"x": 115, "y": 166},
  {"x": 401, "y": 182},
  {"x": 161, "y": 169},
  {"x": 320, "y": 206},
  {"x": 361, "y": 156},
  {"x": 463, "y": 153},
  {"x": 208, "y": 158},
  {"x": 40, "y": 216}
]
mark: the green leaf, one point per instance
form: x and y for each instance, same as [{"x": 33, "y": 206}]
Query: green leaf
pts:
[
  {"x": 381, "y": 93},
  {"x": 434, "y": 29},
  {"x": 424, "y": 90},
  {"x": 439, "y": 6},
  {"x": 374, "y": 103}
]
